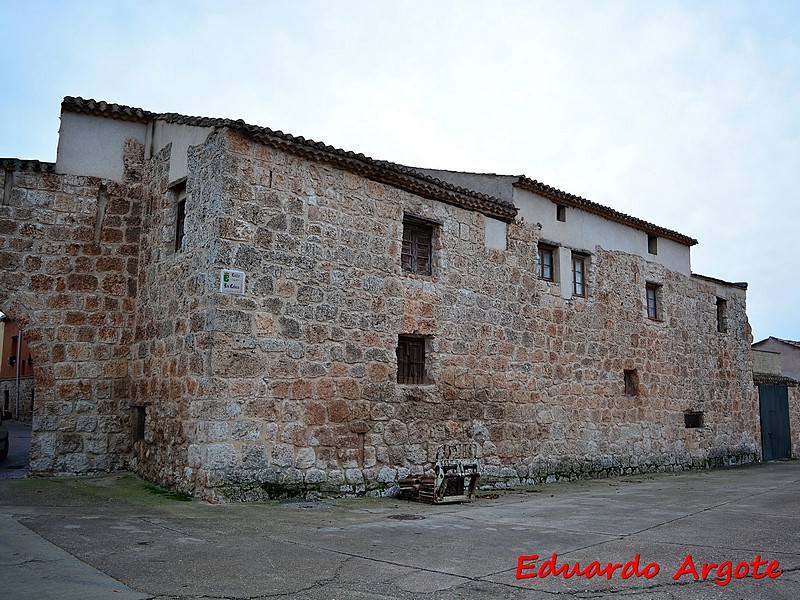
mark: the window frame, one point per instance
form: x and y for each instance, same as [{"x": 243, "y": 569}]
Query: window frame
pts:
[
  {"x": 417, "y": 234},
  {"x": 542, "y": 251},
  {"x": 579, "y": 259},
  {"x": 652, "y": 244},
  {"x": 653, "y": 310},
  {"x": 411, "y": 360}
]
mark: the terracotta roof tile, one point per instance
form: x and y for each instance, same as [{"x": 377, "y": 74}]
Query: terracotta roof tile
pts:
[
  {"x": 773, "y": 378},
  {"x": 386, "y": 172}
]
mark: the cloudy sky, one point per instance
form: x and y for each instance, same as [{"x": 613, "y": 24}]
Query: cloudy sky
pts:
[{"x": 686, "y": 114}]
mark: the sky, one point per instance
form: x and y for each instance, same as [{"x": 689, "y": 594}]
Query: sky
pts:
[{"x": 684, "y": 114}]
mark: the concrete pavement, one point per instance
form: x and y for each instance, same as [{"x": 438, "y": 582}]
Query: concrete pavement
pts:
[
  {"x": 118, "y": 537},
  {"x": 15, "y": 465}
]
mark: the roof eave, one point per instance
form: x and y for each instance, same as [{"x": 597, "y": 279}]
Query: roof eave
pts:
[{"x": 571, "y": 200}]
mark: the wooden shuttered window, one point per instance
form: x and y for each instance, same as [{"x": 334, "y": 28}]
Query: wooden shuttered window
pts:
[
  {"x": 410, "y": 360},
  {"x": 417, "y": 252}
]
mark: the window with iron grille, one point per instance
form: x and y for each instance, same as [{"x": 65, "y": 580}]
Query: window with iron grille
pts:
[
  {"x": 417, "y": 251},
  {"x": 546, "y": 262},
  {"x": 653, "y": 301},
  {"x": 579, "y": 275},
  {"x": 410, "y": 359}
]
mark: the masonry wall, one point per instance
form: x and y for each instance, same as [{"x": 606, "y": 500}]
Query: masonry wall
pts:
[
  {"x": 69, "y": 253},
  {"x": 300, "y": 383},
  {"x": 8, "y": 396},
  {"x": 794, "y": 419}
]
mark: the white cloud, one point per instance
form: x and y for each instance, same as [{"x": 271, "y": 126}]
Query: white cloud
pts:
[{"x": 680, "y": 113}]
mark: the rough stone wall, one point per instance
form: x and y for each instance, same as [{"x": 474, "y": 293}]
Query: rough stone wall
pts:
[
  {"x": 176, "y": 325},
  {"x": 69, "y": 250},
  {"x": 301, "y": 384}
]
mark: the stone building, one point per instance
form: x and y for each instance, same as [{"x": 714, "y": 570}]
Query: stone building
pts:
[{"x": 384, "y": 311}]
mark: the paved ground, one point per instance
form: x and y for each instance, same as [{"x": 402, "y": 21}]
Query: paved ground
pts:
[
  {"x": 117, "y": 537},
  {"x": 15, "y": 465}
]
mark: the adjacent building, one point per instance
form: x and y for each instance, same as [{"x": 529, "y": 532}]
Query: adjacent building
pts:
[{"x": 238, "y": 313}]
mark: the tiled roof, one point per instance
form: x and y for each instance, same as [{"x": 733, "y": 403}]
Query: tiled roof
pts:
[
  {"x": 574, "y": 201},
  {"x": 17, "y": 164},
  {"x": 773, "y": 378},
  {"x": 385, "y": 172},
  {"x": 789, "y": 342},
  {"x": 740, "y": 284}
]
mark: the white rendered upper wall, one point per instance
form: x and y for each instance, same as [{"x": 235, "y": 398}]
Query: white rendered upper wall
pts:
[
  {"x": 585, "y": 231},
  {"x": 93, "y": 145},
  {"x": 182, "y": 137}
]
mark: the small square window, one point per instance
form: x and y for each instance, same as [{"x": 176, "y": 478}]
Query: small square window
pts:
[
  {"x": 693, "y": 419},
  {"x": 631, "y": 382},
  {"x": 561, "y": 213},
  {"x": 417, "y": 251},
  {"x": 547, "y": 262},
  {"x": 410, "y": 359},
  {"x": 652, "y": 244},
  {"x": 579, "y": 275},
  {"x": 722, "y": 315},
  {"x": 653, "y": 291}
]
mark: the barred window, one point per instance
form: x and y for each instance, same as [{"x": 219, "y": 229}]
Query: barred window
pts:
[
  {"x": 415, "y": 256},
  {"x": 410, "y": 359}
]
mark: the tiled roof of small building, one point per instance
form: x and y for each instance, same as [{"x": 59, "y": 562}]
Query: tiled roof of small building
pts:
[
  {"x": 773, "y": 379},
  {"x": 789, "y": 342},
  {"x": 574, "y": 201},
  {"x": 383, "y": 171}
]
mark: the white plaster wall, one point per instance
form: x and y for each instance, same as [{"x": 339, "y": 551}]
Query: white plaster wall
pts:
[
  {"x": 495, "y": 232},
  {"x": 585, "y": 231},
  {"x": 92, "y": 145},
  {"x": 182, "y": 137},
  {"x": 498, "y": 186}
]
